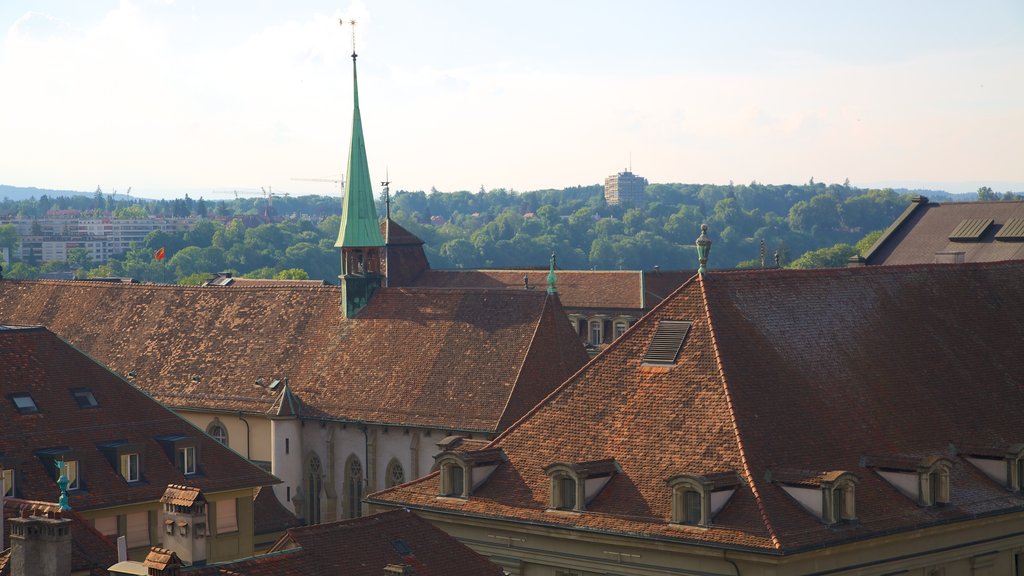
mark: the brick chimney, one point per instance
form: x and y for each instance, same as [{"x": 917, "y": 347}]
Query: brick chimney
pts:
[
  {"x": 162, "y": 562},
  {"x": 40, "y": 545}
]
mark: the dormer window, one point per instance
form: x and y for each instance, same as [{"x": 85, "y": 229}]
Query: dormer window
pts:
[
  {"x": 1004, "y": 465},
  {"x": 828, "y": 495},
  {"x": 924, "y": 480},
  {"x": 453, "y": 480},
  {"x": 24, "y": 403},
  {"x": 183, "y": 451},
  {"x": 696, "y": 499},
  {"x": 126, "y": 458},
  {"x": 465, "y": 465},
  {"x": 8, "y": 482},
  {"x": 187, "y": 460},
  {"x": 131, "y": 468},
  {"x": 573, "y": 486},
  {"x": 84, "y": 397},
  {"x": 61, "y": 459}
]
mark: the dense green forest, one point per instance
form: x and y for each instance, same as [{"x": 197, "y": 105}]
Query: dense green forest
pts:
[{"x": 808, "y": 225}]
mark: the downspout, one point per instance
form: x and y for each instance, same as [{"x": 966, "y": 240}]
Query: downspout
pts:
[
  {"x": 366, "y": 468},
  {"x": 248, "y": 456},
  {"x": 725, "y": 553}
]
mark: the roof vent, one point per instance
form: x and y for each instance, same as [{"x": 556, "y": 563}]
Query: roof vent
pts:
[
  {"x": 970, "y": 229},
  {"x": 667, "y": 341},
  {"x": 274, "y": 384}
]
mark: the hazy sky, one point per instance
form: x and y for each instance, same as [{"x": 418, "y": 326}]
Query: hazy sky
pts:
[{"x": 174, "y": 96}]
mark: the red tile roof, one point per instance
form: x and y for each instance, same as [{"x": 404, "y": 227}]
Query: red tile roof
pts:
[
  {"x": 411, "y": 357},
  {"x": 782, "y": 369},
  {"x": 924, "y": 229},
  {"x": 269, "y": 515},
  {"x": 363, "y": 547},
  {"x": 36, "y": 361},
  {"x": 90, "y": 550},
  {"x": 576, "y": 288}
]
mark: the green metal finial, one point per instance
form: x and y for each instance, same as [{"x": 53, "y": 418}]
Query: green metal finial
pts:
[
  {"x": 551, "y": 276},
  {"x": 703, "y": 249},
  {"x": 62, "y": 483}
]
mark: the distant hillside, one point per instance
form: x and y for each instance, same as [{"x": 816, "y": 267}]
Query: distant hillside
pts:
[{"x": 21, "y": 193}]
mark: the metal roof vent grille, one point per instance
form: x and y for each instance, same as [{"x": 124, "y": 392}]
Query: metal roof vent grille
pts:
[
  {"x": 668, "y": 340},
  {"x": 970, "y": 229},
  {"x": 1012, "y": 230}
]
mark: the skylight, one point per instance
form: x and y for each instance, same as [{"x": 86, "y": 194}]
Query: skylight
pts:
[
  {"x": 84, "y": 397},
  {"x": 667, "y": 341},
  {"x": 24, "y": 403}
]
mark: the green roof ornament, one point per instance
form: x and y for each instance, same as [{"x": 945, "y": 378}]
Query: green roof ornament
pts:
[
  {"x": 62, "y": 483},
  {"x": 703, "y": 249},
  {"x": 551, "y": 276},
  {"x": 359, "y": 226}
]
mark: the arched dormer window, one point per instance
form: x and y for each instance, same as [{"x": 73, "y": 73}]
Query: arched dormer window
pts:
[
  {"x": 696, "y": 499},
  {"x": 465, "y": 465},
  {"x": 934, "y": 479},
  {"x": 453, "y": 478},
  {"x": 573, "y": 486},
  {"x": 924, "y": 480},
  {"x": 828, "y": 495}
]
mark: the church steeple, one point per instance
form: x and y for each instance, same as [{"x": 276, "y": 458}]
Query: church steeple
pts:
[{"x": 359, "y": 235}]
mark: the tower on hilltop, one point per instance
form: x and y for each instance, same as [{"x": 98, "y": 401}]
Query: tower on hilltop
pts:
[
  {"x": 624, "y": 188},
  {"x": 359, "y": 235}
]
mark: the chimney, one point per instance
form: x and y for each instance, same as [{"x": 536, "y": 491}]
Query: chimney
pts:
[
  {"x": 399, "y": 570},
  {"x": 40, "y": 546},
  {"x": 162, "y": 562},
  {"x": 184, "y": 524}
]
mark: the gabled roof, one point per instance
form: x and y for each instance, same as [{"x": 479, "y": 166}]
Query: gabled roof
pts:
[
  {"x": 783, "y": 369},
  {"x": 363, "y": 547},
  {"x": 922, "y": 234},
  {"x": 460, "y": 359},
  {"x": 33, "y": 360},
  {"x": 90, "y": 550}
]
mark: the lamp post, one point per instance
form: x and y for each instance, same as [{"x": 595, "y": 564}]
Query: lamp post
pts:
[{"x": 703, "y": 248}]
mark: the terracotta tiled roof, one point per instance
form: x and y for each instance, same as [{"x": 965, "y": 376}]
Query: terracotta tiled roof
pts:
[
  {"x": 782, "y": 369},
  {"x": 37, "y": 362},
  {"x": 363, "y": 547},
  {"x": 90, "y": 550},
  {"x": 396, "y": 235},
  {"x": 924, "y": 229},
  {"x": 611, "y": 290},
  {"x": 263, "y": 282},
  {"x": 269, "y": 515},
  {"x": 411, "y": 357}
]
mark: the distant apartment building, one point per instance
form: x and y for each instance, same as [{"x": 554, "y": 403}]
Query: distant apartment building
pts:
[
  {"x": 50, "y": 239},
  {"x": 624, "y": 188}
]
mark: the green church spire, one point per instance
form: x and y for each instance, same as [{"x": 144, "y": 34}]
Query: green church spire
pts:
[{"x": 359, "y": 226}]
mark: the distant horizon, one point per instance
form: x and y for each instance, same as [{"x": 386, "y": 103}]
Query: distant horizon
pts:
[
  {"x": 228, "y": 195},
  {"x": 176, "y": 96}
]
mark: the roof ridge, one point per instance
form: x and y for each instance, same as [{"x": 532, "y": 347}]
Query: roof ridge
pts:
[
  {"x": 732, "y": 416},
  {"x": 529, "y": 348},
  {"x": 614, "y": 344}
]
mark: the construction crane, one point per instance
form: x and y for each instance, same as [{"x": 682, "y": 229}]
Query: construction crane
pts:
[
  {"x": 269, "y": 195},
  {"x": 340, "y": 182}
]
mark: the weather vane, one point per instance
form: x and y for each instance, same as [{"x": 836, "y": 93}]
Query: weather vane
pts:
[{"x": 341, "y": 21}]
